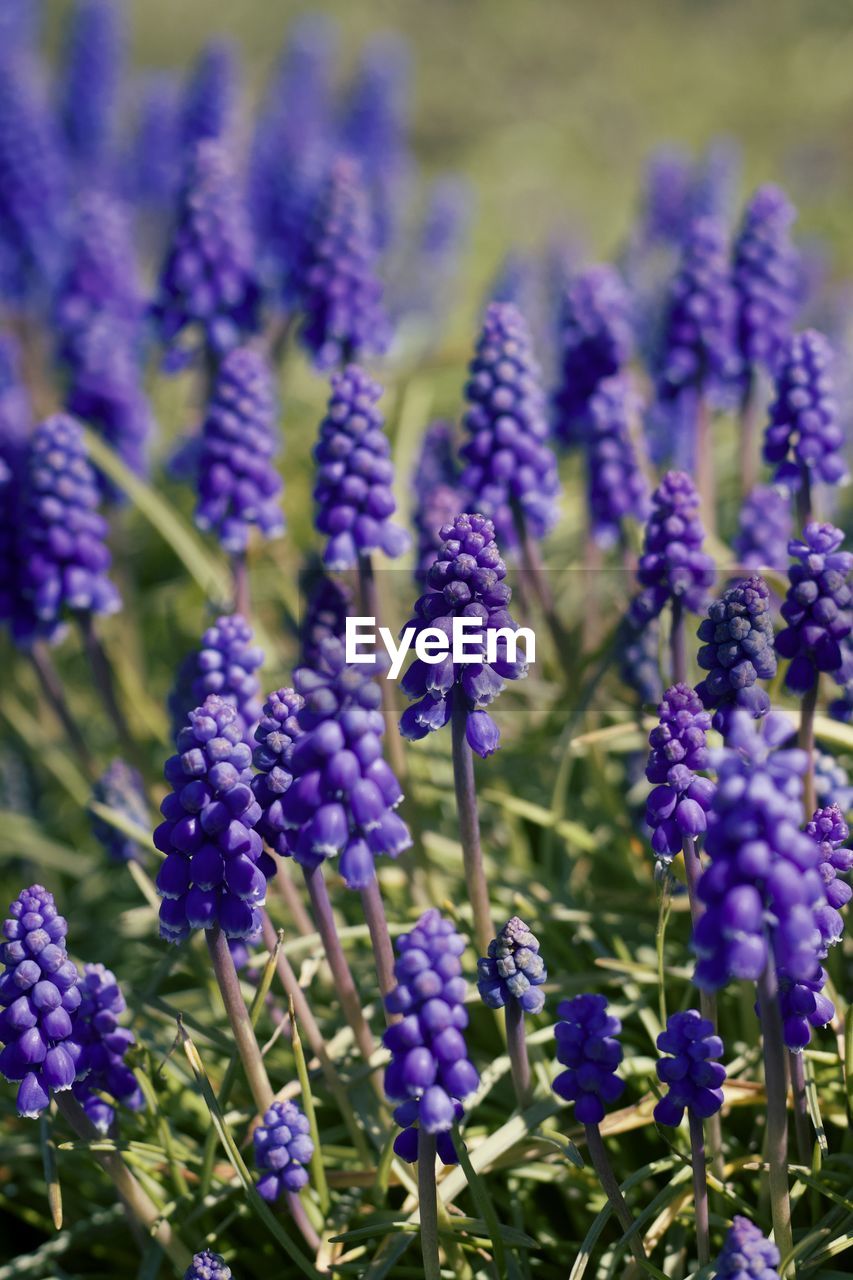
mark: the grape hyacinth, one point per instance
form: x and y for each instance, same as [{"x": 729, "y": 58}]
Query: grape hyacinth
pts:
[
  {"x": 103, "y": 1044},
  {"x": 208, "y": 1265},
  {"x": 336, "y": 279},
  {"x": 596, "y": 341},
  {"x": 513, "y": 969},
  {"x": 436, "y": 497},
  {"x": 694, "y": 1081},
  {"x": 638, "y": 649},
  {"x": 238, "y": 485},
  {"x": 152, "y": 176},
  {"x": 328, "y": 605},
  {"x": 275, "y": 735},
  {"x": 588, "y": 1047},
  {"x": 804, "y": 439},
  {"x": 208, "y": 278},
  {"x": 737, "y": 651},
  {"x": 120, "y": 787},
  {"x": 677, "y": 806},
  {"x": 283, "y": 1148},
  {"x": 817, "y": 606},
  {"x": 673, "y": 566},
  {"x": 210, "y": 99},
  {"x": 747, "y": 1253},
  {"x": 803, "y": 1006},
  {"x": 616, "y": 486},
  {"x": 832, "y": 782},
  {"x": 93, "y": 72},
  {"x": 40, "y": 995},
  {"x": 765, "y": 528},
  {"x": 429, "y": 1074},
  {"x": 766, "y": 278},
  {"x": 353, "y": 491},
  {"x": 215, "y": 870},
  {"x": 15, "y": 417},
  {"x": 828, "y": 828},
  {"x": 466, "y": 580},
  {"x": 225, "y": 664},
  {"x": 437, "y": 251}
]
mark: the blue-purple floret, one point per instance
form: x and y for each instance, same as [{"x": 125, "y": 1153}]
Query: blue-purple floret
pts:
[
  {"x": 210, "y": 98},
  {"x": 103, "y": 1044},
  {"x": 466, "y": 580},
  {"x": 616, "y": 486},
  {"x": 238, "y": 483},
  {"x": 816, "y": 607},
  {"x": 283, "y": 1148},
  {"x": 673, "y": 566},
  {"x": 638, "y": 650},
  {"x": 765, "y": 528},
  {"x": 39, "y": 995},
  {"x": 804, "y": 1007},
  {"x": 225, "y": 664},
  {"x": 430, "y": 1073},
  {"x": 747, "y": 1254},
  {"x": 327, "y": 608},
  {"x": 353, "y": 494},
  {"x": 737, "y": 651},
  {"x": 435, "y": 481},
  {"x": 588, "y": 1047},
  {"x": 832, "y": 782},
  {"x": 120, "y": 787},
  {"x": 693, "y": 1079},
  {"x": 215, "y": 870},
  {"x": 336, "y": 280},
  {"x": 153, "y": 165},
  {"x": 275, "y": 735},
  {"x": 509, "y": 465},
  {"x": 596, "y": 341},
  {"x": 15, "y": 418},
  {"x": 92, "y": 80},
  {"x": 766, "y": 278},
  {"x": 804, "y": 439},
  {"x": 828, "y": 827},
  {"x": 208, "y": 1265},
  {"x": 677, "y": 807},
  {"x": 513, "y": 970}
]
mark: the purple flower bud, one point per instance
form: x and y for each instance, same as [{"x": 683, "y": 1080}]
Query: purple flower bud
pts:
[
  {"x": 435, "y": 483},
  {"x": 225, "y": 664},
  {"x": 804, "y": 439},
  {"x": 587, "y": 1046},
  {"x": 207, "y": 1265},
  {"x": 737, "y": 651},
  {"x": 92, "y": 76},
  {"x": 677, "y": 806},
  {"x": 210, "y": 99},
  {"x": 764, "y": 529},
  {"x": 283, "y": 1148},
  {"x": 766, "y": 277},
  {"x": 817, "y": 606},
  {"x": 513, "y": 969},
  {"x": 673, "y": 565},
  {"x": 746, "y": 1252},
  {"x": 803, "y": 1006},
  {"x": 120, "y": 787},
  {"x": 694, "y": 1081},
  {"x": 152, "y": 172},
  {"x": 103, "y": 1043},
  {"x": 616, "y": 486},
  {"x": 596, "y": 342}
]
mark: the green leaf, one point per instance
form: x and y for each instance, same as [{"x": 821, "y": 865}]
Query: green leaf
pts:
[{"x": 482, "y": 1199}]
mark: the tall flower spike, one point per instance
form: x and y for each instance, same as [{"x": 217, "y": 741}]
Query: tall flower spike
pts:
[
  {"x": 208, "y": 1265},
  {"x": 238, "y": 484},
  {"x": 210, "y": 99},
  {"x": 678, "y": 805},
  {"x": 673, "y": 565},
  {"x": 275, "y": 735},
  {"x": 817, "y": 606},
  {"x": 15, "y": 417},
  {"x": 327, "y": 608},
  {"x": 828, "y": 828},
  {"x": 466, "y": 580},
  {"x": 588, "y": 1047},
  {"x": 208, "y": 278},
  {"x": 215, "y": 870},
  {"x": 508, "y": 461},
  {"x": 225, "y": 664},
  {"x": 436, "y": 499},
  {"x": 283, "y": 1148},
  {"x": 437, "y": 251},
  {"x": 766, "y": 277},
  {"x": 765, "y": 528},
  {"x": 694, "y": 1081},
  {"x": 39, "y": 997},
  {"x": 120, "y": 787},
  {"x": 596, "y": 341},
  {"x": 737, "y": 651},
  {"x": 804, "y": 439},
  {"x": 616, "y": 487},
  {"x": 153, "y": 165},
  {"x": 746, "y": 1252},
  {"x": 336, "y": 279},
  {"x": 64, "y": 556},
  {"x": 513, "y": 969},
  {"x": 353, "y": 492},
  {"x": 92, "y": 75},
  {"x": 103, "y": 1043},
  {"x": 638, "y": 649},
  {"x": 430, "y": 1073}
]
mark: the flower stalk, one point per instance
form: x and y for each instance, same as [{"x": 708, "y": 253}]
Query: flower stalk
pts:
[
  {"x": 469, "y": 828},
  {"x": 777, "y": 1109},
  {"x": 607, "y": 1178},
  {"x": 428, "y": 1204},
  {"x": 700, "y": 1188}
]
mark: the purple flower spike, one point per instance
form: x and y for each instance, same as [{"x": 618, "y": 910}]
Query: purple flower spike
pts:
[
  {"x": 466, "y": 580},
  {"x": 638, "y": 648},
  {"x": 210, "y": 98},
  {"x": 435, "y": 483},
  {"x": 513, "y": 969},
  {"x": 153, "y": 167},
  {"x": 596, "y": 341},
  {"x": 694, "y": 1081},
  {"x": 15, "y": 417},
  {"x": 831, "y": 832},
  {"x": 326, "y": 611},
  {"x": 208, "y": 279},
  {"x": 587, "y": 1046},
  {"x": 355, "y": 474},
  {"x": 238, "y": 484},
  {"x": 746, "y": 1253},
  {"x": 430, "y": 1073},
  {"x": 103, "y": 1044},
  {"x": 737, "y": 651},
  {"x": 275, "y": 736},
  {"x": 765, "y": 528},
  {"x": 616, "y": 487},
  {"x": 336, "y": 278},
  {"x": 678, "y": 805},
  {"x": 803, "y": 1006},
  {"x": 63, "y": 550},
  {"x": 39, "y": 996},
  {"x": 283, "y": 1148},
  {"x": 673, "y": 565},
  {"x": 225, "y": 664},
  {"x": 804, "y": 437},
  {"x": 766, "y": 277},
  {"x": 817, "y": 606},
  {"x": 119, "y": 787},
  {"x": 92, "y": 74},
  {"x": 207, "y": 1265},
  {"x": 215, "y": 871}
]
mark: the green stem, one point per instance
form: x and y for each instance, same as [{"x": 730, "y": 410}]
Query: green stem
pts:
[
  {"x": 607, "y": 1178},
  {"x": 777, "y": 1108},
  {"x": 807, "y": 744},
  {"x": 51, "y": 683},
  {"x": 802, "y": 1126},
  {"x": 469, "y": 827},
  {"x": 678, "y": 643},
  {"x": 519, "y": 1060},
  {"x": 700, "y": 1189},
  {"x": 238, "y": 1017},
  {"x": 428, "y": 1204},
  {"x": 380, "y": 940},
  {"x": 345, "y": 987}
]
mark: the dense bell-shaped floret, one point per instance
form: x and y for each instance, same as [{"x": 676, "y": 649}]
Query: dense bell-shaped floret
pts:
[
  {"x": 283, "y": 1148},
  {"x": 92, "y": 74},
  {"x": 152, "y": 166},
  {"x": 327, "y": 607},
  {"x": 596, "y": 341},
  {"x": 673, "y": 566},
  {"x": 209, "y": 105},
  {"x": 225, "y": 663},
  {"x": 638, "y": 651},
  {"x": 435, "y": 483},
  {"x": 677, "y": 806},
  {"x": 120, "y": 788},
  {"x": 766, "y": 277},
  {"x": 616, "y": 486},
  {"x": 513, "y": 969},
  {"x": 103, "y": 1046},
  {"x": 430, "y": 1073},
  {"x": 693, "y": 1079},
  {"x": 466, "y": 581},
  {"x": 803, "y": 1006},
  {"x": 747, "y": 1254},
  {"x": 207, "y": 1265},
  {"x": 804, "y": 439},
  {"x": 39, "y": 995},
  {"x": 828, "y": 827},
  {"x": 816, "y": 607},
  {"x": 588, "y": 1047},
  {"x": 765, "y": 527},
  {"x": 275, "y": 735},
  {"x": 737, "y": 651}
]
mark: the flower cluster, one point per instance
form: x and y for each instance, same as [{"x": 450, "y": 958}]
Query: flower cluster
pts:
[
  {"x": 513, "y": 969},
  {"x": 225, "y": 664},
  {"x": 430, "y": 1073},
  {"x": 804, "y": 439},
  {"x": 39, "y": 997},
  {"x": 596, "y": 340},
  {"x": 103, "y": 1045},
  {"x": 276, "y": 732},
  {"x": 154, "y": 162},
  {"x": 93, "y": 73},
  {"x": 764, "y": 529},
  {"x": 283, "y": 1148},
  {"x": 510, "y": 467},
  {"x": 745, "y": 1253},
  {"x": 673, "y": 565},
  {"x": 803, "y": 1006},
  {"x": 435, "y": 483},
  {"x": 828, "y": 828},
  {"x": 466, "y": 580},
  {"x": 120, "y": 787},
  {"x": 238, "y": 485},
  {"x": 210, "y": 98},
  {"x": 15, "y": 415},
  {"x": 817, "y": 606},
  {"x": 587, "y": 1046},
  {"x": 355, "y": 474},
  {"x": 215, "y": 869},
  {"x": 207, "y": 1265},
  {"x": 766, "y": 277},
  {"x": 678, "y": 805},
  {"x": 326, "y": 611},
  {"x": 616, "y": 486},
  {"x": 737, "y": 651},
  {"x": 638, "y": 650},
  {"x": 694, "y": 1081}
]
